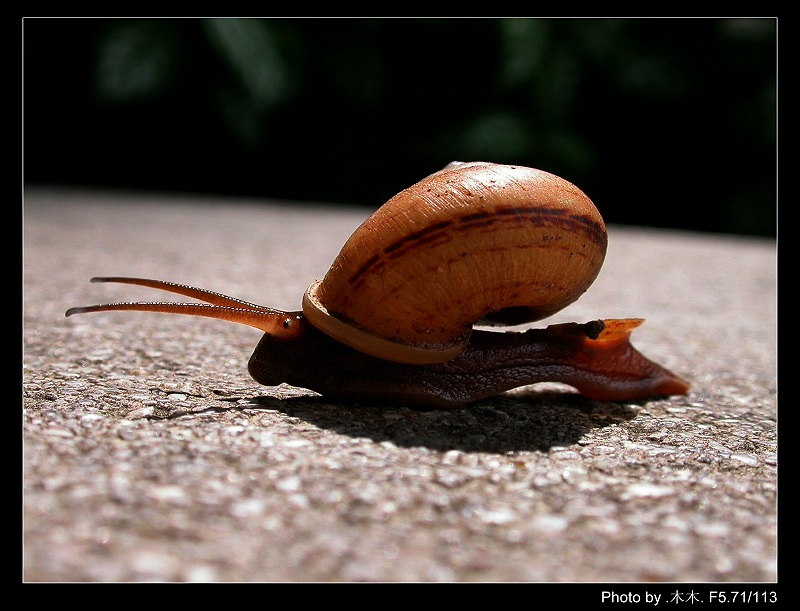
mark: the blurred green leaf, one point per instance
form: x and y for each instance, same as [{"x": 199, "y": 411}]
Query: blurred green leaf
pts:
[
  {"x": 136, "y": 60},
  {"x": 260, "y": 80},
  {"x": 249, "y": 48},
  {"x": 524, "y": 49},
  {"x": 497, "y": 135}
]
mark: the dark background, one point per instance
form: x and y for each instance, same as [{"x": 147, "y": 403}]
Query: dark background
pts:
[{"x": 662, "y": 122}]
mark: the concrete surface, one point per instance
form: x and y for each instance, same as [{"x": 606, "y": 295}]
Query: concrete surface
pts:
[{"x": 150, "y": 455}]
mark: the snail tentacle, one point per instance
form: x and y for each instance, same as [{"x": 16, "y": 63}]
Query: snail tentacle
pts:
[
  {"x": 183, "y": 289},
  {"x": 223, "y": 307}
]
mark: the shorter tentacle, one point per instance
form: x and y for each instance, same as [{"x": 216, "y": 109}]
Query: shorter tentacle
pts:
[{"x": 183, "y": 289}]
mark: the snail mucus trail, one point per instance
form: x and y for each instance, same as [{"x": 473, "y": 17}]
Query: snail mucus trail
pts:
[{"x": 392, "y": 320}]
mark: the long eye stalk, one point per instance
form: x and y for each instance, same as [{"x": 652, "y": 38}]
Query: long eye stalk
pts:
[{"x": 223, "y": 307}]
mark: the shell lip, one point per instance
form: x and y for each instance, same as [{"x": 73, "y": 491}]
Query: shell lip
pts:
[{"x": 364, "y": 341}]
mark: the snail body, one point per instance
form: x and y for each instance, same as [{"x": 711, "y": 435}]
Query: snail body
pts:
[
  {"x": 392, "y": 320},
  {"x": 596, "y": 358}
]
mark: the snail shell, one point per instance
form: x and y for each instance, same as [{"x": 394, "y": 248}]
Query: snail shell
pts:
[{"x": 470, "y": 242}]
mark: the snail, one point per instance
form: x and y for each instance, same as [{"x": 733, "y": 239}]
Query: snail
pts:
[{"x": 393, "y": 319}]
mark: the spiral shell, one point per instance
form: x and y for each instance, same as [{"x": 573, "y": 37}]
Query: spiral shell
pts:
[{"x": 471, "y": 241}]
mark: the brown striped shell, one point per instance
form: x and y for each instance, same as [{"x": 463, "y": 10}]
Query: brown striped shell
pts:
[{"x": 472, "y": 241}]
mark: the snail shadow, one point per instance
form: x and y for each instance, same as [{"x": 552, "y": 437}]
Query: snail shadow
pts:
[{"x": 536, "y": 421}]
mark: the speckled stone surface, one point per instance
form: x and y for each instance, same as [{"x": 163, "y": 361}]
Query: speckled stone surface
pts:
[{"x": 150, "y": 455}]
